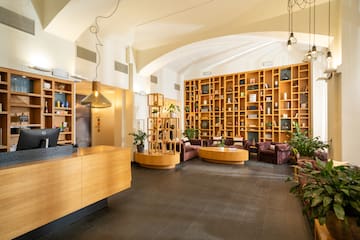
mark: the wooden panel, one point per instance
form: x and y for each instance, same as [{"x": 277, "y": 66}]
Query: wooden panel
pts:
[
  {"x": 104, "y": 174},
  {"x": 321, "y": 232},
  {"x": 224, "y": 155},
  {"x": 157, "y": 160},
  {"x": 33, "y": 195},
  {"x": 37, "y": 193}
]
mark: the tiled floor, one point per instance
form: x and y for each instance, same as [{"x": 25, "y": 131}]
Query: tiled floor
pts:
[{"x": 199, "y": 200}]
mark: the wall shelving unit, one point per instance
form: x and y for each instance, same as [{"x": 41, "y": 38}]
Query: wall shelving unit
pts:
[
  {"x": 259, "y": 105},
  {"x": 34, "y": 101},
  {"x": 163, "y": 136}
]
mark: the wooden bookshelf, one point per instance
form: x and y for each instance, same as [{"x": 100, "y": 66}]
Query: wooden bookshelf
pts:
[
  {"x": 34, "y": 101},
  {"x": 259, "y": 104},
  {"x": 163, "y": 136}
]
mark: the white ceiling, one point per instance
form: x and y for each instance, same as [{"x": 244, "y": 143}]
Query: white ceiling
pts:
[{"x": 150, "y": 24}]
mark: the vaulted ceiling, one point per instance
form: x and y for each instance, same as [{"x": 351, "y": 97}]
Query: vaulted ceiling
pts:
[{"x": 158, "y": 27}]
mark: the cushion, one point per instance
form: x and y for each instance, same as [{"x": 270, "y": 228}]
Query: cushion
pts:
[
  {"x": 272, "y": 147},
  {"x": 216, "y": 140},
  {"x": 186, "y": 141},
  {"x": 238, "y": 141}
]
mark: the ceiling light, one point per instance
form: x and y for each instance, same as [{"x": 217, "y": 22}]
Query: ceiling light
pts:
[
  {"x": 96, "y": 99},
  {"x": 314, "y": 52},
  {"x": 329, "y": 55},
  {"x": 289, "y": 45},
  {"x": 292, "y": 38}
]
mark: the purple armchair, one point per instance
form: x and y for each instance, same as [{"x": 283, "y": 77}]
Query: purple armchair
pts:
[
  {"x": 189, "y": 149},
  {"x": 277, "y": 153}
]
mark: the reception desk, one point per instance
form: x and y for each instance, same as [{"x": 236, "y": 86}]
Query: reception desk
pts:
[{"x": 35, "y": 193}]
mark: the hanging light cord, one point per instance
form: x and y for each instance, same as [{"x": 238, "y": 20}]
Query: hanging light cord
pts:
[
  {"x": 289, "y": 7},
  {"x": 329, "y": 26},
  {"x": 95, "y": 29},
  {"x": 309, "y": 27},
  {"x": 314, "y": 25},
  {"x": 301, "y": 3}
]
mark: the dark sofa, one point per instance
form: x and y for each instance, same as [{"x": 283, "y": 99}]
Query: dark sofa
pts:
[
  {"x": 272, "y": 152},
  {"x": 228, "y": 142}
]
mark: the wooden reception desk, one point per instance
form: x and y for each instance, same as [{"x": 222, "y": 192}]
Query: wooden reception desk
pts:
[{"x": 35, "y": 193}]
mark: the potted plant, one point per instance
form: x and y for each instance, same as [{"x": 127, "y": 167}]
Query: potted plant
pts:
[
  {"x": 187, "y": 109},
  {"x": 139, "y": 140},
  {"x": 332, "y": 195},
  {"x": 191, "y": 133},
  {"x": 305, "y": 146},
  {"x": 268, "y": 125},
  {"x": 173, "y": 109},
  {"x": 155, "y": 112}
]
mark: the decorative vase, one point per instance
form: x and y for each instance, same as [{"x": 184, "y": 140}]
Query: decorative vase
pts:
[
  {"x": 339, "y": 230},
  {"x": 140, "y": 148}
]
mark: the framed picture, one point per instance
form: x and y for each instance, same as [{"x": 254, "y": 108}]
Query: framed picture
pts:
[{"x": 285, "y": 74}]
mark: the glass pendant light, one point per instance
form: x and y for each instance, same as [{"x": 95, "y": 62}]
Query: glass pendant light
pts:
[
  {"x": 314, "y": 52},
  {"x": 308, "y": 55},
  {"x": 292, "y": 39}
]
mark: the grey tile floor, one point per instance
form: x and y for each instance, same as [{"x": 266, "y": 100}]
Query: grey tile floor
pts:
[{"x": 199, "y": 200}]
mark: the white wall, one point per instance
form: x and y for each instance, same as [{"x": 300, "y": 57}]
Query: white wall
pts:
[
  {"x": 110, "y": 52},
  {"x": 166, "y": 84},
  {"x": 19, "y": 49},
  {"x": 350, "y": 82}
]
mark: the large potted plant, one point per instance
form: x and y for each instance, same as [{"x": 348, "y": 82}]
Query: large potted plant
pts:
[
  {"x": 332, "y": 195},
  {"x": 173, "y": 109},
  {"x": 305, "y": 146},
  {"x": 139, "y": 140},
  {"x": 191, "y": 133}
]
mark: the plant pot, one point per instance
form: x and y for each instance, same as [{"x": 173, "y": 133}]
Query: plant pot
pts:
[
  {"x": 140, "y": 148},
  {"x": 172, "y": 115},
  {"x": 339, "y": 230}
]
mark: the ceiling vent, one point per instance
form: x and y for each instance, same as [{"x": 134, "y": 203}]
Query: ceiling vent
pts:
[
  {"x": 17, "y": 21},
  {"x": 177, "y": 86},
  {"x": 120, "y": 67},
  {"x": 86, "y": 54},
  {"x": 153, "y": 79}
]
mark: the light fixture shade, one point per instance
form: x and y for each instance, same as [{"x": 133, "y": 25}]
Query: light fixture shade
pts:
[
  {"x": 289, "y": 46},
  {"x": 95, "y": 98},
  {"x": 292, "y": 38},
  {"x": 329, "y": 55}
]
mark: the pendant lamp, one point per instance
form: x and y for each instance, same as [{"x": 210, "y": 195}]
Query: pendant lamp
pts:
[{"x": 96, "y": 99}]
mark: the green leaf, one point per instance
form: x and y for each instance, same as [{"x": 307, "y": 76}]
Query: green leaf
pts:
[
  {"x": 317, "y": 192},
  {"x": 316, "y": 201},
  {"x": 356, "y": 188},
  {"x": 322, "y": 220},
  {"x": 346, "y": 191},
  {"x": 329, "y": 189},
  {"x": 339, "y": 211},
  {"x": 327, "y": 201},
  {"x": 338, "y": 198}
]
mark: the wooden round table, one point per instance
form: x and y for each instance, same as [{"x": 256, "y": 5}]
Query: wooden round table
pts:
[
  {"x": 157, "y": 160},
  {"x": 224, "y": 155}
]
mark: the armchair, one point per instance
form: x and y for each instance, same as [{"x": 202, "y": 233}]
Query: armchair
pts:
[
  {"x": 277, "y": 153},
  {"x": 189, "y": 149}
]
